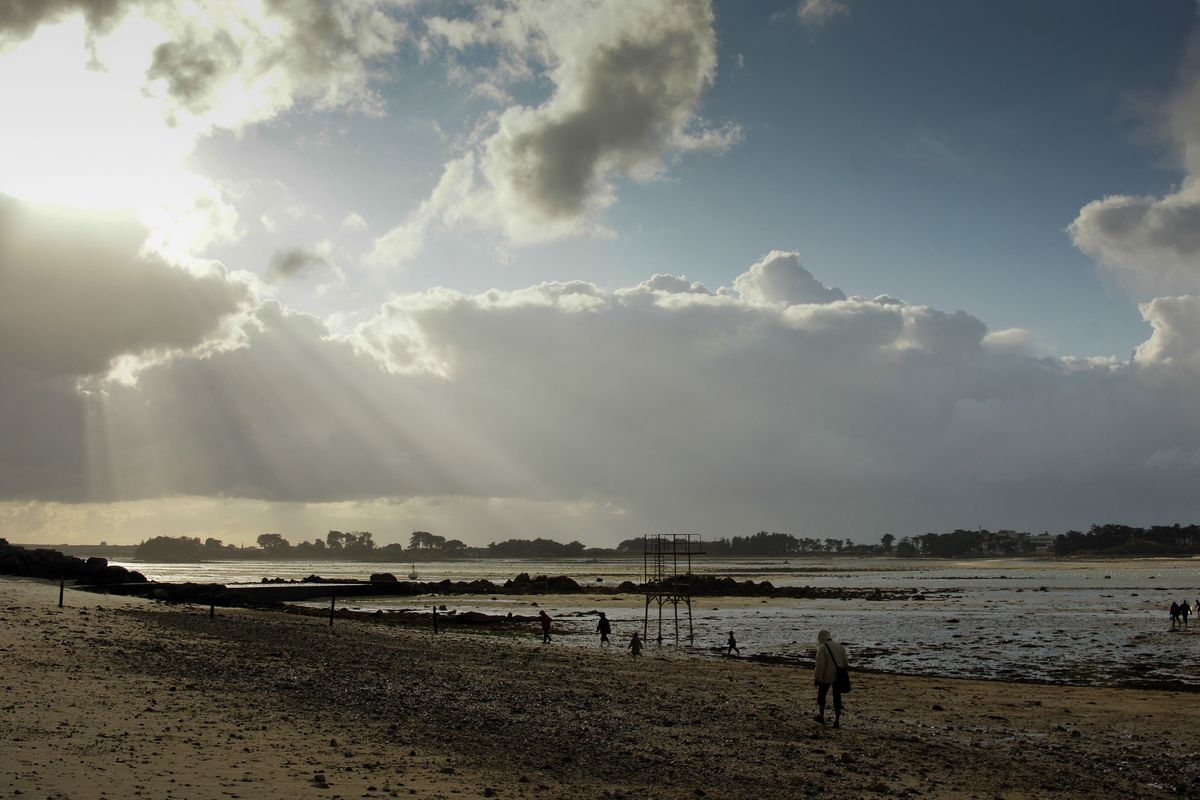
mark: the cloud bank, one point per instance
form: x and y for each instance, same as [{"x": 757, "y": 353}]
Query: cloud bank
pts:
[{"x": 660, "y": 406}]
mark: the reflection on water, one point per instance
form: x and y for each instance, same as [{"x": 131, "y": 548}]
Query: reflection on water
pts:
[{"x": 1078, "y": 622}]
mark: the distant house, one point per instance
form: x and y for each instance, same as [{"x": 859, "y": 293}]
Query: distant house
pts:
[
  {"x": 1040, "y": 542},
  {"x": 1003, "y": 543}
]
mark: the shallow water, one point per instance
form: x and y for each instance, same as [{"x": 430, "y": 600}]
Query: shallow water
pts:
[{"x": 1094, "y": 622}]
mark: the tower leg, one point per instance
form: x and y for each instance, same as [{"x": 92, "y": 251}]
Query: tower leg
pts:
[
  {"x": 660, "y": 602},
  {"x": 691, "y": 633},
  {"x": 675, "y": 604}
]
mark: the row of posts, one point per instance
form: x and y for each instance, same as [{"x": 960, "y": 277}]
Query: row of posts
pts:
[{"x": 212, "y": 607}]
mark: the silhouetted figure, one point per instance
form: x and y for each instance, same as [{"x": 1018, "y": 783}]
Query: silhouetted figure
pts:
[
  {"x": 1174, "y": 615},
  {"x": 733, "y": 648},
  {"x": 1184, "y": 612},
  {"x": 544, "y": 619},
  {"x": 604, "y": 629},
  {"x": 831, "y": 657},
  {"x": 635, "y": 645}
]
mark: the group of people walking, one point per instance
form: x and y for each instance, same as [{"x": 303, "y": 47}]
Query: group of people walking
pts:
[
  {"x": 832, "y": 662},
  {"x": 1180, "y": 613}
]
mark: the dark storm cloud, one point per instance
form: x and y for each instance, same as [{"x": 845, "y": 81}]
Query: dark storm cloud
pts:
[
  {"x": 627, "y": 78},
  {"x": 290, "y": 263},
  {"x": 193, "y": 68},
  {"x": 19, "y": 18},
  {"x": 78, "y": 293}
]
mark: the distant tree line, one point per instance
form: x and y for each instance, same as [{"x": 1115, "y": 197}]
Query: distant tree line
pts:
[
  {"x": 537, "y": 548},
  {"x": 353, "y": 546},
  {"x": 764, "y": 543},
  {"x": 184, "y": 548},
  {"x": 1127, "y": 540},
  {"x": 348, "y": 546},
  {"x": 426, "y": 546},
  {"x": 337, "y": 545},
  {"x": 1107, "y": 539},
  {"x": 962, "y": 543}
]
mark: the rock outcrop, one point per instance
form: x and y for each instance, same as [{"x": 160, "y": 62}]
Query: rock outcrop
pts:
[{"x": 44, "y": 563}]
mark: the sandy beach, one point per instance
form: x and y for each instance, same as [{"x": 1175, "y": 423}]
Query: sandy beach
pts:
[{"x": 115, "y": 697}]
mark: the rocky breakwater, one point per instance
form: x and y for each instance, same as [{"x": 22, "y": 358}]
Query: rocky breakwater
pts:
[
  {"x": 51, "y": 564},
  {"x": 385, "y": 583},
  {"x": 543, "y": 584},
  {"x": 714, "y": 586}
]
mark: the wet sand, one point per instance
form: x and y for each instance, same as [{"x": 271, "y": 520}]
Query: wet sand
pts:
[{"x": 112, "y": 697}]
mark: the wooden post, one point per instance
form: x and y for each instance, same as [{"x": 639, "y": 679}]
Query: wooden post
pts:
[
  {"x": 212, "y": 610},
  {"x": 435, "y": 616},
  {"x": 332, "y": 600},
  {"x": 62, "y": 583}
]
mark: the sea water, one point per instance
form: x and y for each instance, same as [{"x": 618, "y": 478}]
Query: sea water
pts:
[{"x": 1078, "y": 622}]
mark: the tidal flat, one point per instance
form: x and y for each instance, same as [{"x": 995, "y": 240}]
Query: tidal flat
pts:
[{"x": 118, "y": 697}]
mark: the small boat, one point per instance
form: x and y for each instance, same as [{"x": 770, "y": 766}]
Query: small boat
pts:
[{"x": 412, "y": 576}]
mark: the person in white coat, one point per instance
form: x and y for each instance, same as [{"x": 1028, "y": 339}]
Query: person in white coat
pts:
[{"x": 830, "y": 656}]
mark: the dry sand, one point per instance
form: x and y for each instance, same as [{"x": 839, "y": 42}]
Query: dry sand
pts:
[{"x": 120, "y": 698}]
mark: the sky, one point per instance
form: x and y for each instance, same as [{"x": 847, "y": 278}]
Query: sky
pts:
[{"x": 591, "y": 269}]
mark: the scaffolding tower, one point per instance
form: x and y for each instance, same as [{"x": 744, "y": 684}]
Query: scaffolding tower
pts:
[{"x": 667, "y": 577}]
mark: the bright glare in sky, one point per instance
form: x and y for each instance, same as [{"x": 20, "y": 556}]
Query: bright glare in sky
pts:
[{"x": 86, "y": 135}]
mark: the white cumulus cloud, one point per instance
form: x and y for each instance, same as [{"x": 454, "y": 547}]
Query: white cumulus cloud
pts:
[
  {"x": 816, "y": 13},
  {"x": 781, "y": 278},
  {"x": 1151, "y": 244}
]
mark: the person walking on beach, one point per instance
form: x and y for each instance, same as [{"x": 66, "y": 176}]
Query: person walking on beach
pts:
[
  {"x": 544, "y": 619},
  {"x": 1174, "y": 614},
  {"x": 604, "y": 629},
  {"x": 635, "y": 645},
  {"x": 732, "y": 648},
  {"x": 1184, "y": 612},
  {"x": 831, "y": 656}
]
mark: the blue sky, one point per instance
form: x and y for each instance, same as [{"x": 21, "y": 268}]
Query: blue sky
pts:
[
  {"x": 415, "y": 265},
  {"x": 935, "y": 151}
]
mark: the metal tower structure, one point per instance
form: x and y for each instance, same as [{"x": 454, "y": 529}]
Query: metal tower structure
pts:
[{"x": 667, "y": 577}]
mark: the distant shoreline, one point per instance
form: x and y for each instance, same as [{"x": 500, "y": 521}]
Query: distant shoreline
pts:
[{"x": 126, "y": 553}]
